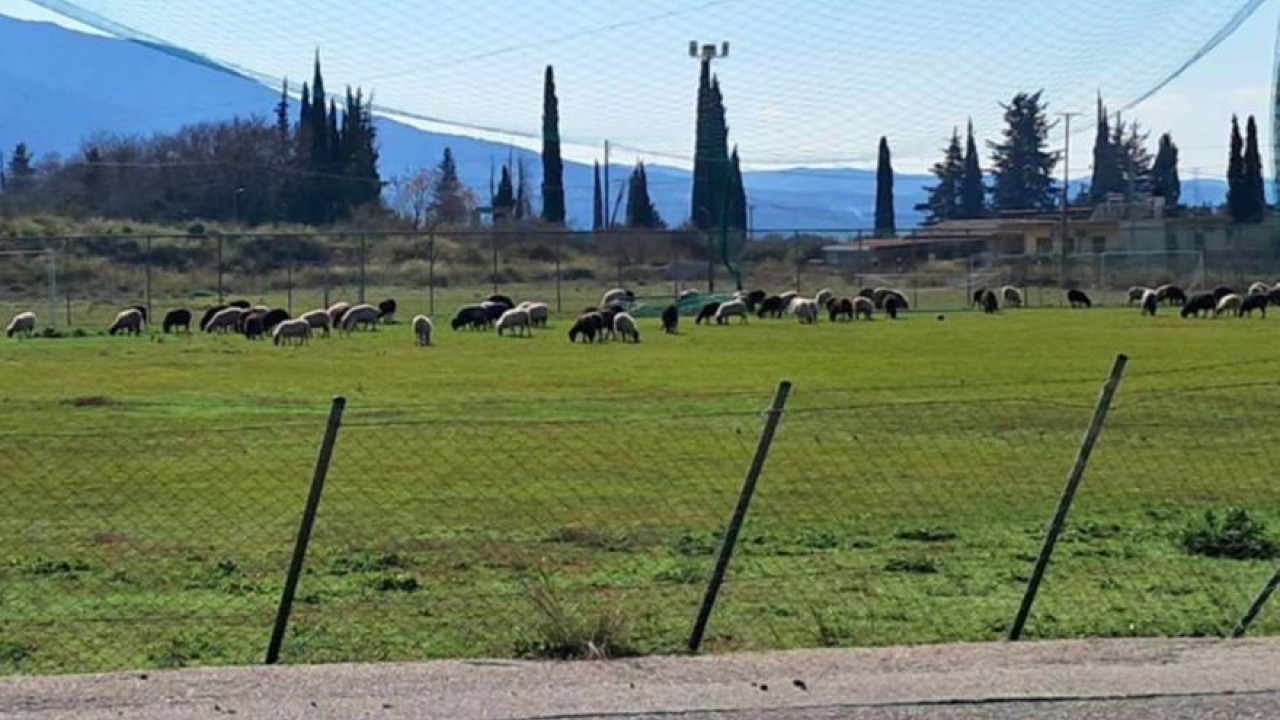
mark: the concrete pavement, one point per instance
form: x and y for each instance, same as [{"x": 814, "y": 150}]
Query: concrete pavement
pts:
[{"x": 1113, "y": 679}]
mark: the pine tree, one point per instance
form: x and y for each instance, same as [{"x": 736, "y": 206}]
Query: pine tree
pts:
[
  {"x": 597, "y": 203},
  {"x": 1255, "y": 191},
  {"x": 284, "y": 134},
  {"x": 1164, "y": 172},
  {"x": 1107, "y": 176},
  {"x": 552, "y": 164},
  {"x": 944, "y": 198},
  {"x": 1133, "y": 160},
  {"x": 701, "y": 211},
  {"x": 973, "y": 192},
  {"x": 22, "y": 175},
  {"x": 885, "y": 225},
  {"x": 1237, "y": 193},
  {"x": 360, "y": 153},
  {"x": 1022, "y": 166},
  {"x": 449, "y": 199},
  {"x": 504, "y": 199},
  {"x": 641, "y": 214},
  {"x": 524, "y": 204},
  {"x": 737, "y": 194}
]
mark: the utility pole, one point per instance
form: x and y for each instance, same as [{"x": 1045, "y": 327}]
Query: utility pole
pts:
[
  {"x": 707, "y": 53},
  {"x": 1066, "y": 197},
  {"x": 607, "y": 219}
]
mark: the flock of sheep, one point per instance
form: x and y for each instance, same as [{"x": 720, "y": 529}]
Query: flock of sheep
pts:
[{"x": 1220, "y": 301}]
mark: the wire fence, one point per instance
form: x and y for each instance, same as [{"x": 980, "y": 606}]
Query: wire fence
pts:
[{"x": 883, "y": 516}]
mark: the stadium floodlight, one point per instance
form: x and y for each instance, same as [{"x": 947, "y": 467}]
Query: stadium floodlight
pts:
[{"x": 708, "y": 51}]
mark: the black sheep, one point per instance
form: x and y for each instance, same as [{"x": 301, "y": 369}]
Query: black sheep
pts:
[
  {"x": 1078, "y": 299},
  {"x": 753, "y": 299},
  {"x": 142, "y": 309},
  {"x": 1171, "y": 294},
  {"x": 977, "y": 296},
  {"x": 242, "y": 304},
  {"x": 274, "y": 318},
  {"x": 606, "y": 321},
  {"x": 1199, "y": 303},
  {"x": 868, "y": 293},
  {"x": 1221, "y": 291},
  {"x": 1149, "y": 303},
  {"x": 587, "y": 326},
  {"x": 772, "y": 305},
  {"x": 501, "y": 300},
  {"x": 670, "y": 319},
  {"x": 1254, "y": 302},
  {"x": 472, "y": 316},
  {"x": 492, "y": 311},
  {"x": 990, "y": 303},
  {"x": 386, "y": 308},
  {"x": 252, "y": 326},
  {"x": 837, "y": 308},
  {"x": 175, "y": 319},
  {"x": 708, "y": 312},
  {"x": 208, "y": 315},
  {"x": 893, "y": 303}
]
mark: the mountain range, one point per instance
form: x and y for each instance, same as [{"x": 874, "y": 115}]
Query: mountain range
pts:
[{"x": 59, "y": 86}]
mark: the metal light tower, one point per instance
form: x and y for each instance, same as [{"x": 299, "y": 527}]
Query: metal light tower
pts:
[{"x": 1275, "y": 118}]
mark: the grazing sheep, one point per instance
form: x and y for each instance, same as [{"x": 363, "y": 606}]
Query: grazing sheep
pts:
[
  {"x": 990, "y": 304},
  {"x": 879, "y": 295},
  {"x": 503, "y": 300},
  {"x": 892, "y": 304},
  {"x": 840, "y": 308},
  {"x": 606, "y": 322},
  {"x": 23, "y": 324},
  {"x": 587, "y": 326},
  {"x": 470, "y": 316},
  {"x": 272, "y": 318},
  {"x": 1013, "y": 297},
  {"x": 517, "y": 321},
  {"x": 823, "y": 297},
  {"x": 422, "y": 330},
  {"x": 868, "y": 293},
  {"x": 863, "y": 307},
  {"x": 493, "y": 310},
  {"x": 625, "y": 326},
  {"x": 252, "y": 326},
  {"x": 670, "y": 319},
  {"x": 242, "y": 304},
  {"x": 733, "y": 308},
  {"x": 146, "y": 318},
  {"x": 208, "y": 315},
  {"x": 1136, "y": 293},
  {"x": 1259, "y": 288},
  {"x": 387, "y": 309},
  {"x": 1199, "y": 303},
  {"x": 539, "y": 313},
  {"x": 293, "y": 332},
  {"x": 1078, "y": 299},
  {"x": 773, "y": 305},
  {"x": 316, "y": 319},
  {"x": 617, "y": 296},
  {"x": 708, "y": 312},
  {"x": 1171, "y": 294},
  {"x": 1230, "y": 302},
  {"x": 806, "y": 311},
  {"x": 1255, "y": 302},
  {"x": 1150, "y": 301},
  {"x": 787, "y": 297},
  {"x": 174, "y": 319},
  {"x": 225, "y": 320},
  {"x": 754, "y": 298},
  {"x": 128, "y": 321},
  {"x": 337, "y": 311},
  {"x": 1222, "y": 291},
  {"x": 365, "y": 316},
  {"x": 976, "y": 300}
]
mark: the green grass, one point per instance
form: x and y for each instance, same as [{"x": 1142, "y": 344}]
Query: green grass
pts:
[{"x": 488, "y": 489}]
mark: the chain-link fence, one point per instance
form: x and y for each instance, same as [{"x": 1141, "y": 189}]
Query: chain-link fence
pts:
[{"x": 890, "y": 515}]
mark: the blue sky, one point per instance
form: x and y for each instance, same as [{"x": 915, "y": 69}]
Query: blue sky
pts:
[{"x": 808, "y": 82}]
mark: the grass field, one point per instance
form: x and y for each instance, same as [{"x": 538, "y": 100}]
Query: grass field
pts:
[{"x": 495, "y": 497}]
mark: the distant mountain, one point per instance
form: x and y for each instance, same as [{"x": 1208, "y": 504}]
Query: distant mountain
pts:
[{"x": 61, "y": 87}]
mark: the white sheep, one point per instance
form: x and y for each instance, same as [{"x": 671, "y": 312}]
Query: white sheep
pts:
[
  {"x": 517, "y": 321},
  {"x": 22, "y": 324},
  {"x": 806, "y": 311},
  {"x": 1229, "y": 303},
  {"x": 360, "y": 315},
  {"x": 1012, "y": 296},
  {"x": 539, "y": 313},
  {"x": 292, "y": 332},
  {"x": 422, "y": 330},
  {"x": 1259, "y": 288},
  {"x": 733, "y": 308},
  {"x": 616, "y": 295},
  {"x": 336, "y": 311},
  {"x": 225, "y": 320},
  {"x": 128, "y": 321},
  {"x": 863, "y": 306},
  {"x": 318, "y": 319},
  {"x": 823, "y": 296},
  {"x": 625, "y": 326}
]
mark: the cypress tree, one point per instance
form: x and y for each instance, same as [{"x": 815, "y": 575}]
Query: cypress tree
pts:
[
  {"x": 1021, "y": 164},
  {"x": 718, "y": 146},
  {"x": 1106, "y": 165},
  {"x": 504, "y": 200},
  {"x": 448, "y": 197},
  {"x": 1237, "y": 203},
  {"x": 944, "y": 198},
  {"x": 597, "y": 202},
  {"x": 737, "y": 194},
  {"x": 701, "y": 212},
  {"x": 524, "y": 205},
  {"x": 1256, "y": 197},
  {"x": 552, "y": 164},
  {"x": 885, "y": 225},
  {"x": 1164, "y": 173},
  {"x": 641, "y": 214},
  {"x": 1132, "y": 158},
  {"x": 333, "y": 189},
  {"x": 973, "y": 192},
  {"x": 284, "y": 134}
]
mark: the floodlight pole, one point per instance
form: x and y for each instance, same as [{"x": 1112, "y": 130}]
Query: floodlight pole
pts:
[{"x": 1066, "y": 195}]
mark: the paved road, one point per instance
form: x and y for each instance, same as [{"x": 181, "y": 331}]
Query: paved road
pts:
[{"x": 1115, "y": 680}]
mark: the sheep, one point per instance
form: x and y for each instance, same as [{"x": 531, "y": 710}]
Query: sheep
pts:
[
  {"x": 142, "y": 309},
  {"x": 625, "y": 326},
  {"x": 1198, "y": 303},
  {"x": 1136, "y": 293},
  {"x": 879, "y": 295},
  {"x": 617, "y": 295},
  {"x": 471, "y": 316},
  {"x": 242, "y": 304},
  {"x": 422, "y": 330},
  {"x": 365, "y": 316},
  {"x": 1222, "y": 291},
  {"x": 754, "y": 298},
  {"x": 733, "y": 308},
  {"x": 1150, "y": 301},
  {"x": 1230, "y": 302},
  {"x": 806, "y": 311},
  {"x": 208, "y": 315},
  {"x": 868, "y": 293},
  {"x": 272, "y": 318},
  {"x": 252, "y": 326},
  {"x": 670, "y": 319},
  {"x": 517, "y": 321},
  {"x": 842, "y": 307},
  {"x": 174, "y": 319},
  {"x": 493, "y": 310},
  {"x": 128, "y": 321},
  {"x": 892, "y": 305},
  {"x": 1259, "y": 288},
  {"x": 316, "y": 319},
  {"x": 586, "y": 326},
  {"x": 976, "y": 300},
  {"x": 263, "y": 309},
  {"x": 503, "y": 300},
  {"x": 1078, "y": 299},
  {"x": 863, "y": 307},
  {"x": 606, "y": 322},
  {"x": 1012, "y": 296},
  {"x": 1273, "y": 297},
  {"x": 291, "y": 332},
  {"x": 788, "y": 296},
  {"x": 23, "y": 324},
  {"x": 539, "y": 313},
  {"x": 823, "y": 296},
  {"x": 708, "y": 312},
  {"x": 225, "y": 320},
  {"x": 387, "y": 309},
  {"x": 1171, "y": 294},
  {"x": 772, "y": 305},
  {"x": 990, "y": 304},
  {"x": 1255, "y": 302},
  {"x": 336, "y": 311}
]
